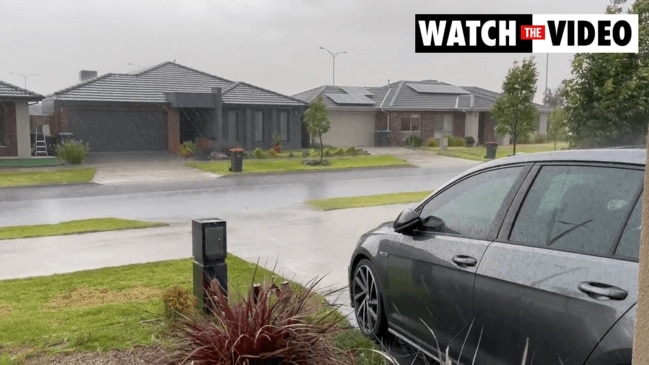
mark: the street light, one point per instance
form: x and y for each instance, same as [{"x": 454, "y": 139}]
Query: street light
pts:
[
  {"x": 24, "y": 76},
  {"x": 333, "y": 57}
]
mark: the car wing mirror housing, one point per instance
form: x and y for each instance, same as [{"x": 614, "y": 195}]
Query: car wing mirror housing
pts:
[{"x": 407, "y": 221}]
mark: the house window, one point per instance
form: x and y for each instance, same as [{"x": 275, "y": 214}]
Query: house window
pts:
[
  {"x": 283, "y": 125},
  {"x": 259, "y": 126},
  {"x": 3, "y": 142},
  {"x": 233, "y": 130},
  {"x": 411, "y": 123},
  {"x": 448, "y": 122}
]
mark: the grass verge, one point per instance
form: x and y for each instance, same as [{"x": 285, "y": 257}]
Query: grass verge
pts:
[
  {"x": 251, "y": 166},
  {"x": 29, "y": 162},
  {"x": 478, "y": 153},
  {"x": 66, "y": 176},
  {"x": 368, "y": 200},
  {"x": 110, "y": 308},
  {"x": 74, "y": 227}
]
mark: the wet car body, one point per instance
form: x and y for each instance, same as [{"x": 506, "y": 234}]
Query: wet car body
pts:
[{"x": 532, "y": 256}]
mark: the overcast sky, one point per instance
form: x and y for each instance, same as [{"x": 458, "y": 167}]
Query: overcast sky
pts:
[{"x": 269, "y": 43}]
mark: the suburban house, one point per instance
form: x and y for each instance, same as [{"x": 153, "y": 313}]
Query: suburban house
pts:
[
  {"x": 159, "y": 108},
  {"x": 14, "y": 120},
  {"x": 429, "y": 109}
]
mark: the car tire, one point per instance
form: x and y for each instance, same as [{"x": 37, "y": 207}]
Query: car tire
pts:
[{"x": 368, "y": 303}]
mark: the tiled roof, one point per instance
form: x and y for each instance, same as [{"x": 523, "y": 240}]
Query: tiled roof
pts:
[
  {"x": 149, "y": 86},
  {"x": 243, "y": 93},
  {"x": 9, "y": 91},
  {"x": 401, "y": 95}
]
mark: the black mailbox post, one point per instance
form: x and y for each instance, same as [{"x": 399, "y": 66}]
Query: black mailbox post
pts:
[{"x": 209, "y": 248}]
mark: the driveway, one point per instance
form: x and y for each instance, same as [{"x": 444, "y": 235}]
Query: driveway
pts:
[{"x": 139, "y": 167}]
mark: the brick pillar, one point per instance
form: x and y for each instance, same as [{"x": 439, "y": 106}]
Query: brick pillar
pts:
[
  {"x": 65, "y": 120},
  {"x": 173, "y": 130}
]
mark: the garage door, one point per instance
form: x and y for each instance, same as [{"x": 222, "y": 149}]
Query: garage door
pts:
[
  {"x": 120, "y": 130},
  {"x": 350, "y": 129}
]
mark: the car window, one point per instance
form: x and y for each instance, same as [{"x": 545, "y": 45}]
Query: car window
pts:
[
  {"x": 576, "y": 208},
  {"x": 470, "y": 207},
  {"x": 629, "y": 246}
]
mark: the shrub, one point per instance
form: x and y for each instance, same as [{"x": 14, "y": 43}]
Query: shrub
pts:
[
  {"x": 523, "y": 140},
  {"x": 432, "y": 142},
  {"x": 271, "y": 325},
  {"x": 456, "y": 141},
  {"x": 413, "y": 141},
  {"x": 272, "y": 153},
  {"x": 187, "y": 149},
  {"x": 314, "y": 153},
  {"x": 291, "y": 155},
  {"x": 177, "y": 301},
  {"x": 259, "y": 153},
  {"x": 72, "y": 151},
  {"x": 327, "y": 152},
  {"x": 540, "y": 138},
  {"x": 339, "y": 151},
  {"x": 470, "y": 141},
  {"x": 351, "y": 151}
]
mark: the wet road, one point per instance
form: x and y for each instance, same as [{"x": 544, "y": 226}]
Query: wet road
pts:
[{"x": 183, "y": 201}]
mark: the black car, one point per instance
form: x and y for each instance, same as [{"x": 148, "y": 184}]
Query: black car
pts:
[{"x": 529, "y": 257}]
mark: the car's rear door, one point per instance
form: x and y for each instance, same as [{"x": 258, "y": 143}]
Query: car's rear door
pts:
[
  {"x": 433, "y": 271},
  {"x": 552, "y": 284}
]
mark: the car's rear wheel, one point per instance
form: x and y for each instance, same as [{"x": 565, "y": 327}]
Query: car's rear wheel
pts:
[{"x": 368, "y": 306}]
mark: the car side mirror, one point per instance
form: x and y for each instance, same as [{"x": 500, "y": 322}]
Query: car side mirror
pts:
[
  {"x": 407, "y": 221},
  {"x": 434, "y": 224}
]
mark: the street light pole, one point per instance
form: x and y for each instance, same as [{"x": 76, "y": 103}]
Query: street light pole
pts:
[
  {"x": 333, "y": 57},
  {"x": 547, "y": 65},
  {"x": 24, "y": 77}
]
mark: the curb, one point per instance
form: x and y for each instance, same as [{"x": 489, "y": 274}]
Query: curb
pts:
[{"x": 243, "y": 174}]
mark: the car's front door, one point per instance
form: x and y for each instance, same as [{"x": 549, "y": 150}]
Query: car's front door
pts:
[
  {"x": 432, "y": 272},
  {"x": 549, "y": 288}
]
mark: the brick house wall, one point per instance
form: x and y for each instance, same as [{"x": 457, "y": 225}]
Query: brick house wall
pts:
[
  {"x": 487, "y": 125},
  {"x": 8, "y": 110},
  {"x": 173, "y": 130}
]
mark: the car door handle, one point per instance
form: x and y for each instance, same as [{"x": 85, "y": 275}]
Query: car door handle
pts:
[
  {"x": 462, "y": 260},
  {"x": 602, "y": 291}
]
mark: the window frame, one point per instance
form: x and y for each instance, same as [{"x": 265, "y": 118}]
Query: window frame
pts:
[
  {"x": 502, "y": 211},
  {"x": 233, "y": 135},
  {"x": 3, "y": 121},
  {"x": 524, "y": 189},
  {"x": 279, "y": 125},
  {"x": 258, "y": 138},
  {"x": 410, "y": 117}
]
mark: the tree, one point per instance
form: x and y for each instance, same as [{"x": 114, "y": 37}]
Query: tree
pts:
[
  {"x": 557, "y": 127},
  {"x": 515, "y": 112},
  {"x": 607, "y": 103},
  {"x": 554, "y": 98},
  {"x": 316, "y": 120}
]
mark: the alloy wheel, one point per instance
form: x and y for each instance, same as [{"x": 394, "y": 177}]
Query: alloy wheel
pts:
[{"x": 366, "y": 299}]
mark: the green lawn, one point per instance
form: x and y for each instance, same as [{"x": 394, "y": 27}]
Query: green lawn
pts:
[
  {"x": 65, "y": 176},
  {"x": 369, "y": 200},
  {"x": 112, "y": 308},
  {"x": 73, "y": 227},
  {"x": 295, "y": 164},
  {"x": 29, "y": 162},
  {"x": 478, "y": 153}
]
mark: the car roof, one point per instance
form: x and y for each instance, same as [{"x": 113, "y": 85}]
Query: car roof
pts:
[{"x": 626, "y": 155}]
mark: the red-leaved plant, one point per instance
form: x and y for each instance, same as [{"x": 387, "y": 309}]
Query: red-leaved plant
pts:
[{"x": 271, "y": 325}]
